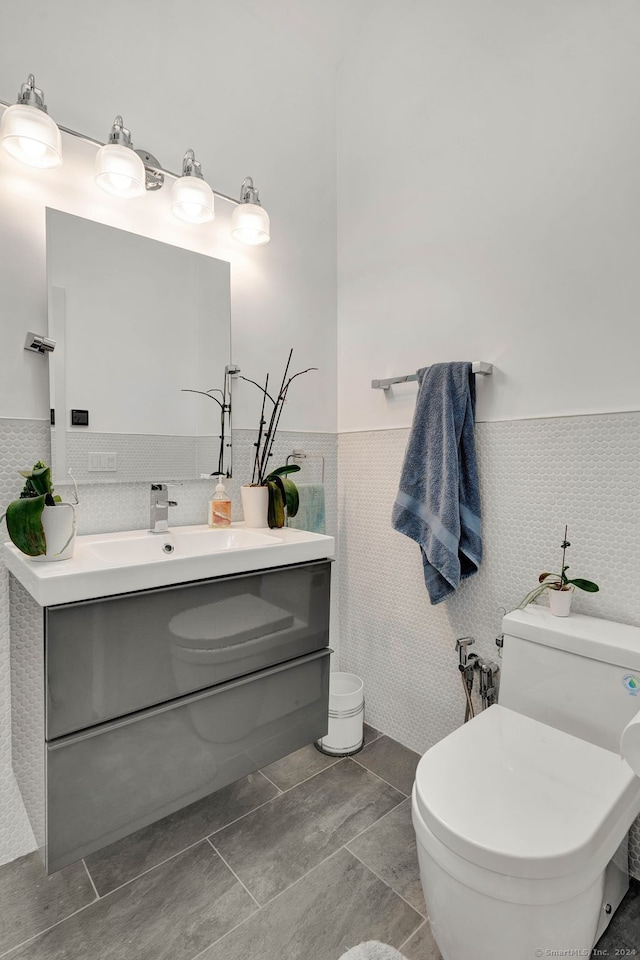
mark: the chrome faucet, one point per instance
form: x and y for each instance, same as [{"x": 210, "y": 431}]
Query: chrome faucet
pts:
[{"x": 160, "y": 503}]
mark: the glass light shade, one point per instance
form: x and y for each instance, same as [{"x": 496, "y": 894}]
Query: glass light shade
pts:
[
  {"x": 31, "y": 136},
  {"x": 192, "y": 200},
  {"x": 119, "y": 171},
  {"x": 250, "y": 224}
]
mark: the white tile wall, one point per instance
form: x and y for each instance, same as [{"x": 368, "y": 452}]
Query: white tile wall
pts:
[
  {"x": 107, "y": 507},
  {"x": 536, "y": 475},
  {"x": 122, "y": 506},
  {"x": 22, "y": 442},
  {"x": 142, "y": 458},
  {"x": 27, "y": 708},
  {"x": 139, "y": 457}
]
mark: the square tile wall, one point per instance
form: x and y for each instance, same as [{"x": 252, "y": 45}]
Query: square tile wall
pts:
[{"x": 536, "y": 475}]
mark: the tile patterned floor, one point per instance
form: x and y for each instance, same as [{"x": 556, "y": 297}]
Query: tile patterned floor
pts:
[{"x": 305, "y": 859}]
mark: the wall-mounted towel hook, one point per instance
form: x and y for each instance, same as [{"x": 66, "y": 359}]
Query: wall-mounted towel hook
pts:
[{"x": 38, "y": 343}]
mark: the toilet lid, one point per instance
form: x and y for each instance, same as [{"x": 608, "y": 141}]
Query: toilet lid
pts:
[
  {"x": 229, "y": 621},
  {"x": 521, "y": 798}
]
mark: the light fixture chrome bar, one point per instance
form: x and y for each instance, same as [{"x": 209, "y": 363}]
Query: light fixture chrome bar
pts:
[
  {"x": 154, "y": 179},
  {"x": 154, "y": 168},
  {"x": 478, "y": 367}
]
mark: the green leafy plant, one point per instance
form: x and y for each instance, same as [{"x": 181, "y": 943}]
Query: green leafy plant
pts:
[
  {"x": 283, "y": 493},
  {"x": 24, "y": 516},
  {"x": 559, "y": 581}
]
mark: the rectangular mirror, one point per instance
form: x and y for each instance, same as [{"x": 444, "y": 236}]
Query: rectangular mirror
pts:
[{"x": 137, "y": 323}]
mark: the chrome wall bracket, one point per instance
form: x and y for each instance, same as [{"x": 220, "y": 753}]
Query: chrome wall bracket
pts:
[
  {"x": 488, "y": 673},
  {"x": 223, "y": 399},
  {"x": 37, "y": 343},
  {"x": 231, "y": 372},
  {"x": 154, "y": 178}
]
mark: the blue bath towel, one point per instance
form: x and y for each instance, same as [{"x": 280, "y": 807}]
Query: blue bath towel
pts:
[{"x": 438, "y": 501}]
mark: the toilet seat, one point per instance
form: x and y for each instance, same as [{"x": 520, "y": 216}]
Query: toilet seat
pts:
[{"x": 523, "y": 799}]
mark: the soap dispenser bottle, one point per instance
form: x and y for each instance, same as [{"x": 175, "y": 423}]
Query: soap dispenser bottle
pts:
[{"x": 220, "y": 508}]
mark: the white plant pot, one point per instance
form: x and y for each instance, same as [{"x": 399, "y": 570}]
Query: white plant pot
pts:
[
  {"x": 59, "y": 524},
  {"x": 255, "y": 506},
  {"x": 560, "y": 602}
]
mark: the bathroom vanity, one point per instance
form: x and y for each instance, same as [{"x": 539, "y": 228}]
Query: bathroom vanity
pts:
[{"x": 145, "y": 678}]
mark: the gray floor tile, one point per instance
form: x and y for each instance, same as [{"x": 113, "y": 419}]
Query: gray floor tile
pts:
[
  {"x": 297, "y": 767},
  {"x": 128, "y": 858},
  {"x": 622, "y": 936},
  {"x": 171, "y": 913},
  {"x": 370, "y": 733},
  {"x": 390, "y": 760},
  {"x": 422, "y": 946},
  {"x": 389, "y": 849},
  {"x": 30, "y": 901},
  {"x": 335, "y": 907},
  {"x": 277, "y": 844}
]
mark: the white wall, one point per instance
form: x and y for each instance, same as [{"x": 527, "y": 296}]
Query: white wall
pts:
[
  {"x": 248, "y": 101},
  {"x": 488, "y": 199}
]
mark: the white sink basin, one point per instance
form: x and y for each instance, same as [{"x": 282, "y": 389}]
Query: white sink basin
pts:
[
  {"x": 142, "y": 547},
  {"x": 111, "y": 563}
]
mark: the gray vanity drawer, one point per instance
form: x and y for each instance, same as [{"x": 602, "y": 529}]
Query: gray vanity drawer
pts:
[
  {"x": 108, "y": 782},
  {"x": 108, "y": 658}
]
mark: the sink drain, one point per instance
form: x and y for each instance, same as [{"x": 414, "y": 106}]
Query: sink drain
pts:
[{"x": 168, "y": 547}]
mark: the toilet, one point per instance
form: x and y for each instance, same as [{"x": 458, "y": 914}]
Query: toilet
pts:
[{"x": 522, "y": 814}]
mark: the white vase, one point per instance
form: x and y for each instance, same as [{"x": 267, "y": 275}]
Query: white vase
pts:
[
  {"x": 59, "y": 524},
  {"x": 560, "y": 602},
  {"x": 255, "y": 506}
]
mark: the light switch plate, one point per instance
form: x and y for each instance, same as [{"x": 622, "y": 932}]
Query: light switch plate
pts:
[{"x": 103, "y": 462}]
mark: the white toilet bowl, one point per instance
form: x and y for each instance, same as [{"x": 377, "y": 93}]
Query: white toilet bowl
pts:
[{"x": 521, "y": 832}]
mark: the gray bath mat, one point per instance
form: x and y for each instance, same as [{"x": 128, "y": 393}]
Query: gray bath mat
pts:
[{"x": 372, "y": 950}]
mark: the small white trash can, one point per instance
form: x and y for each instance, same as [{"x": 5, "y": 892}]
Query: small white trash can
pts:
[{"x": 346, "y": 716}]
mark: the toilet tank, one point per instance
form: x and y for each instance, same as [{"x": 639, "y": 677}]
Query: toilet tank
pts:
[{"x": 578, "y": 674}]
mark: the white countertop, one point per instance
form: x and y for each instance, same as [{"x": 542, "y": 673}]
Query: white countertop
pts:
[{"x": 107, "y": 564}]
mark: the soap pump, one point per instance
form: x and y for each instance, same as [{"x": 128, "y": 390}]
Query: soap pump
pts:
[{"x": 220, "y": 508}]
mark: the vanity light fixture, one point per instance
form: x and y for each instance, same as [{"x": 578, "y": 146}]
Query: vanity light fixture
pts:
[
  {"x": 191, "y": 195},
  {"x": 27, "y": 131},
  {"x": 250, "y": 221},
  {"x": 29, "y": 134},
  {"x": 119, "y": 169}
]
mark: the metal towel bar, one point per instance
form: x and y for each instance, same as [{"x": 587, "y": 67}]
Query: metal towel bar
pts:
[{"x": 479, "y": 366}]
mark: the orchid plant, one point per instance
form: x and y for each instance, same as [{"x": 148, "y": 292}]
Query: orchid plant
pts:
[
  {"x": 24, "y": 515},
  {"x": 283, "y": 493},
  {"x": 559, "y": 581}
]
